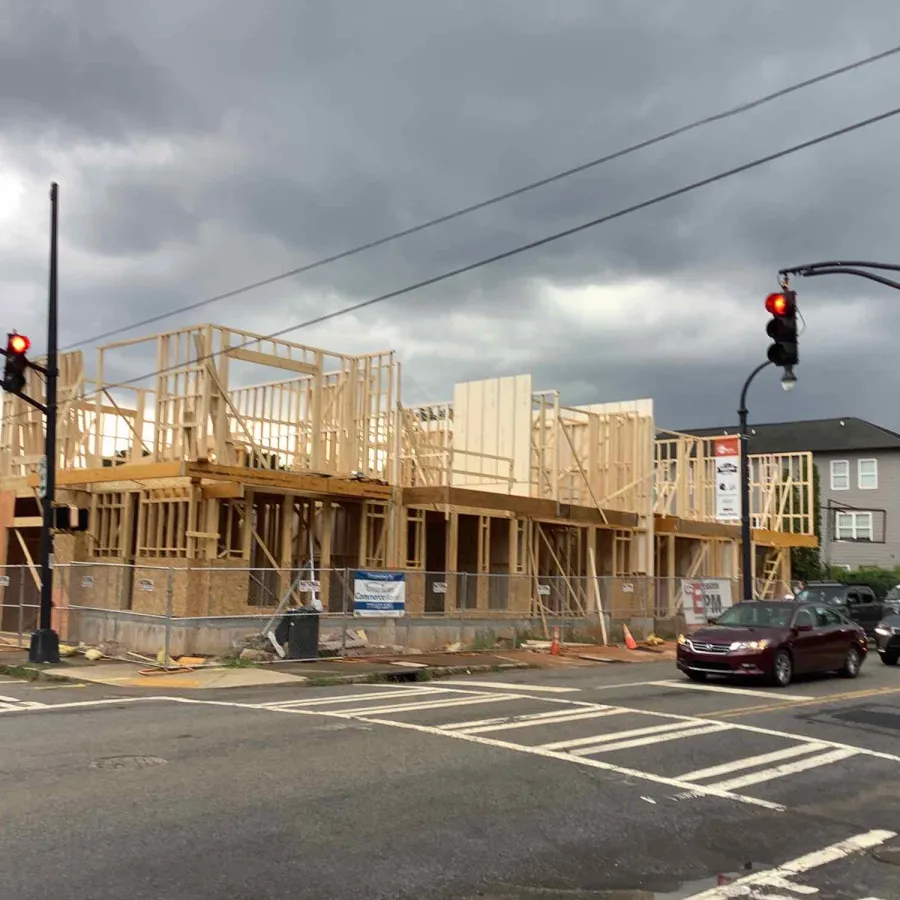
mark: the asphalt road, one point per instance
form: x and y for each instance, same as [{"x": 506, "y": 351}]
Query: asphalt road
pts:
[{"x": 620, "y": 782}]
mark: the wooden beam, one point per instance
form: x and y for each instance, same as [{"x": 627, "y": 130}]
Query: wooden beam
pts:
[
  {"x": 688, "y": 528},
  {"x": 531, "y": 507},
  {"x": 298, "y": 482},
  {"x": 222, "y": 491},
  {"x": 27, "y": 522},
  {"x": 784, "y": 539},
  {"x": 127, "y": 472},
  {"x": 270, "y": 359}
]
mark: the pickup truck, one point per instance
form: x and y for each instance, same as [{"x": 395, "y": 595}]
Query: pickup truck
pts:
[{"x": 856, "y": 601}]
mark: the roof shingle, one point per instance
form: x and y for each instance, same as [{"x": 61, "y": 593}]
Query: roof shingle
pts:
[{"x": 814, "y": 435}]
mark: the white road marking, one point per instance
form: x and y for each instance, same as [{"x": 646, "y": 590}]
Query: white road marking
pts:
[
  {"x": 725, "y": 689},
  {"x": 429, "y": 704},
  {"x": 620, "y": 735},
  {"x": 543, "y": 719},
  {"x": 787, "y": 769},
  {"x": 519, "y": 687},
  {"x": 780, "y": 876},
  {"x": 751, "y": 762},
  {"x": 352, "y": 698},
  {"x": 455, "y": 726},
  {"x": 550, "y": 754},
  {"x": 642, "y": 742}
]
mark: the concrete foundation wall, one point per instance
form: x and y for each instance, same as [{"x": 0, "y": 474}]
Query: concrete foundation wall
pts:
[{"x": 147, "y": 634}]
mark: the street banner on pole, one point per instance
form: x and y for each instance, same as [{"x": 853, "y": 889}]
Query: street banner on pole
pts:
[
  {"x": 379, "y": 593},
  {"x": 728, "y": 479}
]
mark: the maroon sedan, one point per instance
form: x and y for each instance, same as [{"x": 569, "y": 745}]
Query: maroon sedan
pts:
[{"x": 774, "y": 640}]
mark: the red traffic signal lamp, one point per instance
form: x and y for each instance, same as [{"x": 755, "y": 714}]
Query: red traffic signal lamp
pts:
[
  {"x": 17, "y": 346},
  {"x": 782, "y": 328}
]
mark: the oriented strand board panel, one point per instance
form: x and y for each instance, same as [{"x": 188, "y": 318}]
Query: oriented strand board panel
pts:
[{"x": 492, "y": 434}]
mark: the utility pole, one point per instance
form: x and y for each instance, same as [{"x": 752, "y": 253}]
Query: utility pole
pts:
[{"x": 45, "y": 641}]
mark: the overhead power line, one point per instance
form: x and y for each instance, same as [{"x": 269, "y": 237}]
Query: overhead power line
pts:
[
  {"x": 499, "y": 198},
  {"x": 531, "y": 245}
]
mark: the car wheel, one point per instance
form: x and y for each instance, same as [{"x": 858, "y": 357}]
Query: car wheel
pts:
[
  {"x": 889, "y": 659},
  {"x": 696, "y": 676},
  {"x": 852, "y": 663},
  {"x": 782, "y": 669}
]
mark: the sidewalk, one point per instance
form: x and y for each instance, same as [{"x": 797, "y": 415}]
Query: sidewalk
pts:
[{"x": 422, "y": 667}]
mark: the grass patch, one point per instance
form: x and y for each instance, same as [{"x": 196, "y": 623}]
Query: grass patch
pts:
[{"x": 235, "y": 662}]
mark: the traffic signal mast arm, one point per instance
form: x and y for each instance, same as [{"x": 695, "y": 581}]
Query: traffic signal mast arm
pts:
[{"x": 837, "y": 267}]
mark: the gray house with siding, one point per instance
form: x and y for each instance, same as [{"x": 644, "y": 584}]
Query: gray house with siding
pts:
[{"x": 859, "y": 482}]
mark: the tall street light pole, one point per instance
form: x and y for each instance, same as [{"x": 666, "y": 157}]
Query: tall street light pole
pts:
[{"x": 787, "y": 383}]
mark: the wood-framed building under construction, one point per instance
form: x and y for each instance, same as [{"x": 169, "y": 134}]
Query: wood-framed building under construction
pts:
[{"x": 324, "y": 469}]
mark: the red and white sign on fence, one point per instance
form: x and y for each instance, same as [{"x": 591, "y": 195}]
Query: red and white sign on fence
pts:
[{"x": 728, "y": 479}]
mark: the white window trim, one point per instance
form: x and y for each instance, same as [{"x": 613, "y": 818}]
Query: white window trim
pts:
[
  {"x": 845, "y": 462},
  {"x": 860, "y": 485},
  {"x": 856, "y": 528}
]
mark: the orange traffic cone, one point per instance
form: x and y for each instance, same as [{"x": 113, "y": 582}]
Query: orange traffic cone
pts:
[
  {"x": 630, "y": 642},
  {"x": 554, "y": 645}
]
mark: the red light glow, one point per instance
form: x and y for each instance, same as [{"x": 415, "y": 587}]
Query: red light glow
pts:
[
  {"x": 18, "y": 343},
  {"x": 776, "y": 304}
]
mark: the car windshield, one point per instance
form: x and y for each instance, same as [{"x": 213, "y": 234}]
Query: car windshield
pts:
[
  {"x": 834, "y": 595},
  {"x": 761, "y": 615}
]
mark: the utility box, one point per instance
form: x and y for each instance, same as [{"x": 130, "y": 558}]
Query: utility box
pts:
[{"x": 302, "y": 633}]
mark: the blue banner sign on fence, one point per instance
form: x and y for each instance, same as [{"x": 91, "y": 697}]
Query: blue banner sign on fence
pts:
[{"x": 379, "y": 593}]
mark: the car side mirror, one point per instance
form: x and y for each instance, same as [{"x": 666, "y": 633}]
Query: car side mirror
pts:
[{"x": 803, "y": 628}]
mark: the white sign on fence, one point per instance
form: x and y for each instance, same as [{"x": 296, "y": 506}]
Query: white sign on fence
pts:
[
  {"x": 439, "y": 587},
  {"x": 544, "y": 590},
  {"x": 379, "y": 593},
  {"x": 308, "y": 586},
  {"x": 146, "y": 584},
  {"x": 87, "y": 581},
  {"x": 4, "y": 580},
  {"x": 705, "y": 599},
  {"x": 728, "y": 479}
]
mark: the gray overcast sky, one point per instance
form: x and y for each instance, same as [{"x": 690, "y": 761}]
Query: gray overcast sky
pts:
[{"x": 202, "y": 144}]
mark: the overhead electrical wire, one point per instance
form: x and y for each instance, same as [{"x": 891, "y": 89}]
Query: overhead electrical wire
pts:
[
  {"x": 499, "y": 198},
  {"x": 531, "y": 245}
]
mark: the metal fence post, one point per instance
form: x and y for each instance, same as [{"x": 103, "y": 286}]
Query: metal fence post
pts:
[
  {"x": 345, "y": 597},
  {"x": 462, "y": 599},
  {"x": 170, "y": 596},
  {"x": 21, "y": 603}
]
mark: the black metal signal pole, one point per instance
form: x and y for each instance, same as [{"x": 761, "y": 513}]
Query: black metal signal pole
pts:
[{"x": 45, "y": 641}]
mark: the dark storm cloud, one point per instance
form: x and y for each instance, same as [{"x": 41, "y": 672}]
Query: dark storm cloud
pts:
[{"x": 293, "y": 131}]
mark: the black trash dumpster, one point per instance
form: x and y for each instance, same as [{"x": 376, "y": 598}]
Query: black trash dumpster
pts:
[{"x": 303, "y": 633}]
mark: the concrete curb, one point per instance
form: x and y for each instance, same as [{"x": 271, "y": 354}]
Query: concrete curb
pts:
[{"x": 35, "y": 672}]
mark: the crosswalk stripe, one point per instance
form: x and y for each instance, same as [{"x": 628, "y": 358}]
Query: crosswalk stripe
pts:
[
  {"x": 428, "y": 704},
  {"x": 643, "y": 741},
  {"x": 751, "y": 762},
  {"x": 559, "y": 719},
  {"x": 509, "y": 685},
  {"x": 619, "y": 735},
  {"x": 354, "y": 698},
  {"x": 780, "y": 771},
  {"x": 727, "y": 689}
]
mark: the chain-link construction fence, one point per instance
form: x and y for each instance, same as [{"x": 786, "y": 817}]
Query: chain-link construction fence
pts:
[{"x": 163, "y": 613}]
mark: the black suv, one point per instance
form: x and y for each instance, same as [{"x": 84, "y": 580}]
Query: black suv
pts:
[{"x": 856, "y": 601}]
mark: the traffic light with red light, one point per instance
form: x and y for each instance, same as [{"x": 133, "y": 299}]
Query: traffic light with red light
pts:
[
  {"x": 782, "y": 328},
  {"x": 16, "y": 363}
]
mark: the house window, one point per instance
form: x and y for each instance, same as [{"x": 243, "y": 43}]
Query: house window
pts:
[
  {"x": 867, "y": 474},
  {"x": 840, "y": 474},
  {"x": 853, "y": 526}
]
